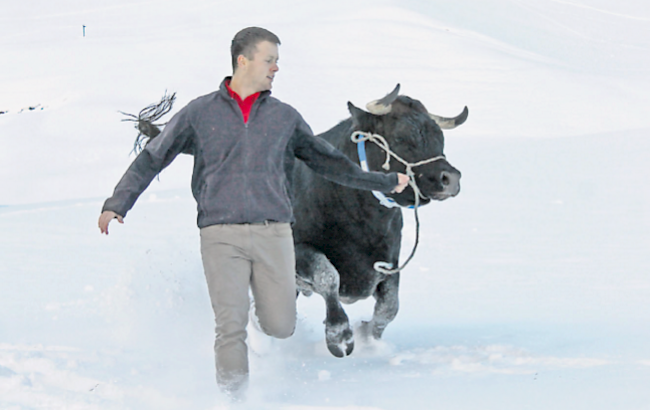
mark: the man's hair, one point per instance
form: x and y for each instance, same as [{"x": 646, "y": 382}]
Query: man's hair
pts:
[{"x": 245, "y": 41}]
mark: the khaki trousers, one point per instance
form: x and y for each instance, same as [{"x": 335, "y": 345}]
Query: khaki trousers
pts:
[{"x": 238, "y": 256}]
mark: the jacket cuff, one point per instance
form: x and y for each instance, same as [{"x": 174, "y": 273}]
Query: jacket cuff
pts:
[
  {"x": 394, "y": 181},
  {"x": 108, "y": 206}
]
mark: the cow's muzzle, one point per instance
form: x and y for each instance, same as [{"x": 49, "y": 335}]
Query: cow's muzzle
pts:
[{"x": 439, "y": 184}]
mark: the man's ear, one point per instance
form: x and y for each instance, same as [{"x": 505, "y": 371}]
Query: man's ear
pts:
[{"x": 242, "y": 61}]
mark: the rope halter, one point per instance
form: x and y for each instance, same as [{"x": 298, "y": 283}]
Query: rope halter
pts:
[{"x": 360, "y": 137}]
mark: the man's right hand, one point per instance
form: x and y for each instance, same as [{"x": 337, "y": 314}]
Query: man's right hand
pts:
[{"x": 105, "y": 218}]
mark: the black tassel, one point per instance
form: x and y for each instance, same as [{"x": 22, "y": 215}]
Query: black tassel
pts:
[{"x": 147, "y": 130}]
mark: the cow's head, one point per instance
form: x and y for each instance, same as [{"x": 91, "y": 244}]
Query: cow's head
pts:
[{"x": 415, "y": 135}]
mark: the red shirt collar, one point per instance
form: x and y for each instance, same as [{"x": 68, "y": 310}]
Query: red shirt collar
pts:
[{"x": 245, "y": 105}]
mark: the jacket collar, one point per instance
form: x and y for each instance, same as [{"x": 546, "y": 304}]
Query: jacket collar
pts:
[{"x": 223, "y": 90}]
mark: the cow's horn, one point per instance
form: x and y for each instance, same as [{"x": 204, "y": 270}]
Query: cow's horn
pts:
[
  {"x": 383, "y": 106},
  {"x": 450, "y": 123}
]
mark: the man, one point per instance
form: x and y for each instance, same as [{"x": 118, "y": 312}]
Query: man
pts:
[{"x": 244, "y": 143}]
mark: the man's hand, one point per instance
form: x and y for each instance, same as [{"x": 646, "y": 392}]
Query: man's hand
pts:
[
  {"x": 105, "y": 218},
  {"x": 403, "y": 181}
]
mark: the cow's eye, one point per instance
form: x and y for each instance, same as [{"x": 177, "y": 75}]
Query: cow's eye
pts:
[{"x": 406, "y": 141}]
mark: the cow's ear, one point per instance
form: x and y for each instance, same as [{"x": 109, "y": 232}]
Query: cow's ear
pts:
[
  {"x": 355, "y": 111},
  {"x": 360, "y": 118}
]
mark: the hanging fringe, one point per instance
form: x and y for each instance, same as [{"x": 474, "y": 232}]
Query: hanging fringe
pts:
[{"x": 147, "y": 129}]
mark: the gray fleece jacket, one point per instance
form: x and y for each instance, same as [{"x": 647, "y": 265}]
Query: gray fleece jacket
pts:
[{"x": 241, "y": 170}]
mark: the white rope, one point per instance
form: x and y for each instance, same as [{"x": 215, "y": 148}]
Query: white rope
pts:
[{"x": 360, "y": 136}]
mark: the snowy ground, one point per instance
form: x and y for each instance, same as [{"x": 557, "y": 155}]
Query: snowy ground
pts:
[{"x": 529, "y": 290}]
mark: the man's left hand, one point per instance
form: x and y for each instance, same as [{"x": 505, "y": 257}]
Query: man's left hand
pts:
[{"x": 403, "y": 181}]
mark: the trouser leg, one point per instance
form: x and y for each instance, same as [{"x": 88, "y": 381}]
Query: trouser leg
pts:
[
  {"x": 234, "y": 257},
  {"x": 273, "y": 279},
  {"x": 228, "y": 272}
]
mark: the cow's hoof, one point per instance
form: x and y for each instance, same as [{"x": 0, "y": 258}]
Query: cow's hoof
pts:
[{"x": 340, "y": 340}]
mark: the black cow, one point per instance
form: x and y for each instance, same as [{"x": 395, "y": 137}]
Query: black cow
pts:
[{"x": 340, "y": 233}]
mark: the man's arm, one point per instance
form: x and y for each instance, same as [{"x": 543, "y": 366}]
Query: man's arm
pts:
[
  {"x": 331, "y": 163},
  {"x": 160, "y": 152}
]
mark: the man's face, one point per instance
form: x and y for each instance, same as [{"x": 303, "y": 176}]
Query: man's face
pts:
[{"x": 260, "y": 70}]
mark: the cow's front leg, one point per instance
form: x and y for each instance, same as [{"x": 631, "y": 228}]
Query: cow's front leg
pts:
[
  {"x": 386, "y": 306},
  {"x": 316, "y": 273}
]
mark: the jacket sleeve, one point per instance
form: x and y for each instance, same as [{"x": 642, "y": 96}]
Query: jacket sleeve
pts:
[
  {"x": 326, "y": 160},
  {"x": 176, "y": 137}
]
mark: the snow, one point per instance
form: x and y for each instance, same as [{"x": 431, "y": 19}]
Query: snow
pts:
[{"x": 529, "y": 290}]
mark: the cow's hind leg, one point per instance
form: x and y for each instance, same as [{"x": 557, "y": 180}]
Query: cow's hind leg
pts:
[
  {"x": 316, "y": 273},
  {"x": 386, "y": 307}
]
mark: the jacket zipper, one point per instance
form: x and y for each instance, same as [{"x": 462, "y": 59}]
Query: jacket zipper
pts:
[{"x": 247, "y": 196}]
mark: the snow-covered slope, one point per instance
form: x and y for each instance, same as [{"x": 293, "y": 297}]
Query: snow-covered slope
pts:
[{"x": 529, "y": 289}]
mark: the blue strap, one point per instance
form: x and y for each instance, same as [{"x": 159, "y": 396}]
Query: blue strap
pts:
[{"x": 363, "y": 161}]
